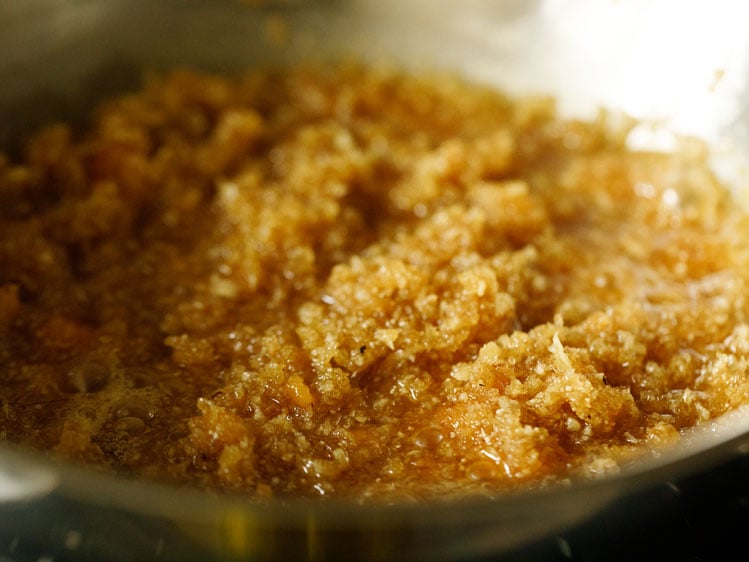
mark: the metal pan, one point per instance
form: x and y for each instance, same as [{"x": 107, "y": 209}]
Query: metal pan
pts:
[{"x": 686, "y": 70}]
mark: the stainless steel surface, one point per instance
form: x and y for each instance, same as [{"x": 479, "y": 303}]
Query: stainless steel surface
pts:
[{"x": 681, "y": 67}]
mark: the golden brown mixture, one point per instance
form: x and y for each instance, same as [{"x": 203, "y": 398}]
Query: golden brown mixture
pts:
[{"x": 358, "y": 282}]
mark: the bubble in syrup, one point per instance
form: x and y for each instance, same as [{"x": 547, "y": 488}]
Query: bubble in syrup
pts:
[
  {"x": 87, "y": 412},
  {"x": 428, "y": 437},
  {"x": 482, "y": 469},
  {"x": 130, "y": 426},
  {"x": 133, "y": 408},
  {"x": 89, "y": 376}
]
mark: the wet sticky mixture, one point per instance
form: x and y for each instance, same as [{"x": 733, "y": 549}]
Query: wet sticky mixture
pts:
[{"x": 355, "y": 282}]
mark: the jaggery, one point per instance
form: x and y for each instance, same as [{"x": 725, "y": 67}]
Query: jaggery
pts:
[{"x": 352, "y": 281}]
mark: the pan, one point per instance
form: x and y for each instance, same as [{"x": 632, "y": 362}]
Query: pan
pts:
[{"x": 682, "y": 70}]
